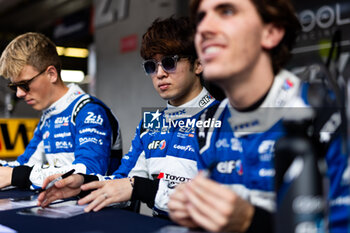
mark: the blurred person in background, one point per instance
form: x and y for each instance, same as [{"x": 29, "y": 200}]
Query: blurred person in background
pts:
[{"x": 75, "y": 129}]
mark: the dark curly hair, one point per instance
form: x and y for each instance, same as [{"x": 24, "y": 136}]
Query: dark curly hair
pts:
[{"x": 169, "y": 37}]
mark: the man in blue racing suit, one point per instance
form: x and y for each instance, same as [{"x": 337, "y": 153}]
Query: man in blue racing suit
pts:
[
  {"x": 243, "y": 46},
  {"x": 164, "y": 150},
  {"x": 75, "y": 130}
]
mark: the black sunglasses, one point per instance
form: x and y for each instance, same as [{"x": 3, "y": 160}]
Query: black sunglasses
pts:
[
  {"x": 168, "y": 64},
  {"x": 24, "y": 85}
]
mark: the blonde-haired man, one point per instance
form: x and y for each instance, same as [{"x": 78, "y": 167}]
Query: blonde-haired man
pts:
[{"x": 75, "y": 130}]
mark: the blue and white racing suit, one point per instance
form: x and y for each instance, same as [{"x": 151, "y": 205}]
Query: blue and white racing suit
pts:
[
  {"x": 243, "y": 150},
  {"x": 74, "y": 132},
  {"x": 167, "y": 152}
]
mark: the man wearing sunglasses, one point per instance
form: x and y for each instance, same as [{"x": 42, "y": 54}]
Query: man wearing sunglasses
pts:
[
  {"x": 75, "y": 130},
  {"x": 160, "y": 158}
]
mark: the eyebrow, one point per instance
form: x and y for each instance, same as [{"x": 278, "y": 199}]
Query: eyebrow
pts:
[
  {"x": 220, "y": 6},
  {"x": 225, "y": 5}
]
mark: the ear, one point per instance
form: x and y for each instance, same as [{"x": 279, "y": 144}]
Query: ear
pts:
[
  {"x": 272, "y": 36},
  {"x": 53, "y": 75},
  {"x": 198, "y": 67}
]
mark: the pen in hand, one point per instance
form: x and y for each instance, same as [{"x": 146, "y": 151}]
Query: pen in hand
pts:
[{"x": 65, "y": 175}]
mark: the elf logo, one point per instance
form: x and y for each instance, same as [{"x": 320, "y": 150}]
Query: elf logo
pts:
[
  {"x": 227, "y": 167},
  {"x": 206, "y": 99},
  {"x": 157, "y": 144}
]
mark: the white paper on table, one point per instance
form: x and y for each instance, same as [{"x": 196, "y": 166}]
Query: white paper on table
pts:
[
  {"x": 21, "y": 202},
  {"x": 15, "y": 203},
  {"x": 5, "y": 229},
  {"x": 61, "y": 210}
]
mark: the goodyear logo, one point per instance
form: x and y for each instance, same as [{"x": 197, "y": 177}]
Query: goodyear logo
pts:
[{"x": 15, "y": 135}]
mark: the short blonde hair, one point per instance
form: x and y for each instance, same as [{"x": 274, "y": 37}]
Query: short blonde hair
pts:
[{"x": 32, "y": 49}]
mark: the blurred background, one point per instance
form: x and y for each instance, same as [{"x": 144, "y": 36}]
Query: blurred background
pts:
[{"x": 100, "y": 40}]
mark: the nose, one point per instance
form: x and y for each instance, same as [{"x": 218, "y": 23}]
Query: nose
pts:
[
  {"x": 160, "y": 74},
  {"x": 207, "y": 25},
  {"x": 20, "y": 93}
]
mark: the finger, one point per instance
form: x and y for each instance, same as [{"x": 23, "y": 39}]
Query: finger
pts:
[
  {"x": 49, "y": 199},
  {"x": 211, "y": 187},
  {"x": 189, "y": 223},
  {"x": 95, "y": 203},
  {"x": 92, "y": 185},
  {"x": 224, "y": 204},
  {"x": 186, "y": 223},
  {"x": 202, "y": 220},
  {"x": 89, "y": 198},
  {"x": 180, "y": 214},
  {"x": 41, "y": 197},
  {"x": 49, "y": 179},
  {"x": 201, "y": 204},
  {"x": 175, "y": 205},
  {"x": 105, "y": 203},
  {"x": 65, "y": 182},
  {"x": 179, "y": 194},
  {"x": 208, "y": 208}
]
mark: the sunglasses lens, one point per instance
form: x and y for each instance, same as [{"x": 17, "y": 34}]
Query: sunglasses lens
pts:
[
  {"x": 24, "y": 87},
  {"x": 150, "y": 67},
  {"x": 169, "y": 64}
]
